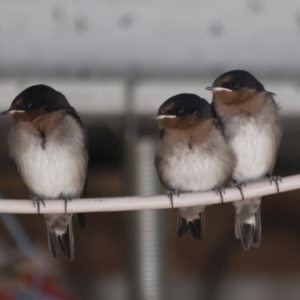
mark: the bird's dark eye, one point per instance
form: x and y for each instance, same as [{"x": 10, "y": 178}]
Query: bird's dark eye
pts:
[
  {"x": 179, "y": 111},
  {"x": 27, "y": 104},
  {"x": 234, "y": 85}
]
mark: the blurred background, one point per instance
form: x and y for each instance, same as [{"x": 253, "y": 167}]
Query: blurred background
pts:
[{"x": 116, "y": 62}]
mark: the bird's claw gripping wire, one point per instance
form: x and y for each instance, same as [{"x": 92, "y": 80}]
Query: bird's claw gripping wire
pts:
[
  {"x": 66, "y": 200},
  {"x": 170, "y": 195},
  {"x": 276, "y": 180},
  {"x": 220, "y": 191},
  {"x": 36, "y": 201},
  {"x": 239, "y": 186}
]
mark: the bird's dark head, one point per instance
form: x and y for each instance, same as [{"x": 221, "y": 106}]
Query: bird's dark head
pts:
[
  {"x": 183, "y": 111},
  {"x": 235, "y": 87},
  {"x": 36, "y": 101}
]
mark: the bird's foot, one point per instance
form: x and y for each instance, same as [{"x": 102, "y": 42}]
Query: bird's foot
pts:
[
  {"x": 36, "y": 201},
  {"x": 220, "y": 191},
  {"x": 66, "y": 200},
  {"x": 276, "y": 180},
  {"x": 239, "y": 186},
  {"x": 170, "y": 195}
]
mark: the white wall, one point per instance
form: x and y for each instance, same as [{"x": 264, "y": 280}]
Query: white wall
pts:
[{"x": 149, "y": 37}]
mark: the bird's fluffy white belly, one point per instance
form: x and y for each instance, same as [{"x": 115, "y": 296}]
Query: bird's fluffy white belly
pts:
[
  {"x": 50, "y": 172},
  {"x": 193, "y": 170},
  {"x": 253, "y": 147}
]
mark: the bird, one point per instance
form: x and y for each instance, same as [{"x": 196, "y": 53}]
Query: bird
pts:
[
  {"x": 49, "y": 146},
  {"x": 252, "y": 127},
  {"x": 192, "y": 155}
]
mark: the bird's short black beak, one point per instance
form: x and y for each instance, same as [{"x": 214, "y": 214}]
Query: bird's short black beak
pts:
[
  {"x": 6, "y": 112},
  {"x": 210, "y": 88}
]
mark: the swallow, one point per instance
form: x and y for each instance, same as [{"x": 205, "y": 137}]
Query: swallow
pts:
[
  {"x": 252, "y": 127},
  {"x": 48, "y": 144},
  {"x": 192, "y": 155}
]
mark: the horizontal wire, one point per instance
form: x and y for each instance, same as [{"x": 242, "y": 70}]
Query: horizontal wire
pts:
[{"x": 256, "y": 189}]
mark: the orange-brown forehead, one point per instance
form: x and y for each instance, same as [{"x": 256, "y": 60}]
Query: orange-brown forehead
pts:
[
  {"x": 166, "y": 107},
  {"x": 17, "y": 102},
  {"x": 222, "y": 80}
]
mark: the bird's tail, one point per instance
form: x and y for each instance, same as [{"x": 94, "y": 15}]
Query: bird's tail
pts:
[
  {"x": 63, "y": 242},
  {"x": 81, "y": 219},
  {"x": 248, "y": 222},
  {"x": 191, "y": 219}
]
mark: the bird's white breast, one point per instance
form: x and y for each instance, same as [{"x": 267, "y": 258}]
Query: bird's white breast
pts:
[
  {"x": 254, "y": 148},
  {"x": 192, "y": 170},
  {"x": 58, "y": 168}
]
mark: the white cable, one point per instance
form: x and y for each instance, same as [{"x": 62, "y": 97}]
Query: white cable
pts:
[{"x": 148, "y": 202}]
